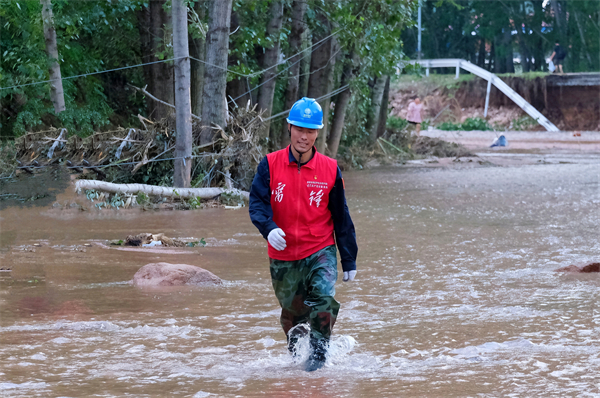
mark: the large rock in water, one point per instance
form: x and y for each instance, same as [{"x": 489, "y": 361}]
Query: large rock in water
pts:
[
  {"x": 165, "y": 274},
  {"x": 593, "y": 267}
]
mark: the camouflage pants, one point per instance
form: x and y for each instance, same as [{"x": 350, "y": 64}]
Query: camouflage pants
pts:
[{"x": 305, "y": 290}]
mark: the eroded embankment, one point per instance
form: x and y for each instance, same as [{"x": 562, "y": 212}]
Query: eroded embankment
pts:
[{"x": 569, "y": 107}]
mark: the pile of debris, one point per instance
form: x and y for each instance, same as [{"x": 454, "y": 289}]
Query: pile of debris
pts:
[
  {"x": 150, "y": 240},
  {"x": 428, "y": 146},
  {"x": 144, "y": 155}
]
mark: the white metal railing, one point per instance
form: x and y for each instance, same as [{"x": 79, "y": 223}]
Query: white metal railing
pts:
[{"x": 491, "y": 79}]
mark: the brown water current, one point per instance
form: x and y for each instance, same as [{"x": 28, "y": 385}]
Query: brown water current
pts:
[{"x": 455, "y": 296}]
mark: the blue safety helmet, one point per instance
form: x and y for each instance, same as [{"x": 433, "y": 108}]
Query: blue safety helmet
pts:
[{"x": 307, "y": 113}]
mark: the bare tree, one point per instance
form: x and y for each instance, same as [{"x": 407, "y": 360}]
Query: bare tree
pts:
[
  {"x": 183, "y": 112},
  {"x": 56, "y": 88},
  {"x": 291, "y": 91},
  {"x": 214, "y": 110},
  {"x": 270, "y": 60}
]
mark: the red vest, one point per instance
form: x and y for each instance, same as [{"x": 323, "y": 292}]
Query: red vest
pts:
[{"x": 299, "y": 200}]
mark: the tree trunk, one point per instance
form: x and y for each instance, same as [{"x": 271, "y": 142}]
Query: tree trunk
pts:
[
  {"x": 383, "y": 114},
  {"x": 341, "y": 106},
  {"x": 183, "y": 113},
  {"x": 162, "y": 72},
  {"x": 319, "y": 79},
  {"x": 146, "y": 50},
  {"x": 270, "y": 61},
  {"x": 537, "y": 44},
  {"x": 560, "y": 18},
  {"x": 582, "y": 36},
  {"x": 238, "y": 87},
  {"x": 169, "y": 192},
  {"x": 197, "y": 50},
  {"x": 326, "y": 102},
  {"x": 339, "y": 116},
  {"x": 492, "y": 63},
  {"x": 524, "y": 50},
  {"x": 305, "y": 64},
  {"x": 291, "y": 92},
  {"x": 375, "y": 107},
  {"x": 510, "y": 65},
  {"x": 481, "y": 54},
  {"x": 318, "y": 65},
  {"x": 153, "y": 25},
  {"x": 56, "y": 88},
  {"x": 214, "y": 110},
  {"x": 499, "y": 56}
]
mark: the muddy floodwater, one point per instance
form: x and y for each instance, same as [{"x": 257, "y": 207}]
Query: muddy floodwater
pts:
[{"x": 455, "y": 296}]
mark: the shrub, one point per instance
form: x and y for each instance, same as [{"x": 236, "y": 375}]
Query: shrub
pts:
[
  {"x": 475, "y": 123},
  {"x": 396, "y": 124},
  {"x": 472, "y": 123},
  {"x": 449, "y": 126}
]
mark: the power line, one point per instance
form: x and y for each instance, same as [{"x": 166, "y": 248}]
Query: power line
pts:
[
  {"x": 314, "y": 47},
  {"x": 118, "y": 163},
  {"x": 220, "y": 67},
  {"x": 173, "y": 59},
  {"x": 89, "y": 74},
  {"x": 324, "y": 66},
  {"x": 330, "y": 94},
  {"x": 292, "y": 56}
]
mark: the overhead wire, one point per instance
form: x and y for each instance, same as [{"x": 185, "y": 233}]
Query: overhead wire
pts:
[
  {"x": 314, "y": 47},
  {"x": 328, "y": 95},
  {"x": 168, "y": 60},
  {"x": 91, "y": 73}
]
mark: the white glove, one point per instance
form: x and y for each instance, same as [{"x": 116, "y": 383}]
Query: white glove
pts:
[
  {"x": 349, "y": 275},
  {"x": 276, "y": 240}
]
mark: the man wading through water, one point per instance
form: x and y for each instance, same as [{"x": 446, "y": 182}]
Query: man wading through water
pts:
[{"x": 297, "y": 202}]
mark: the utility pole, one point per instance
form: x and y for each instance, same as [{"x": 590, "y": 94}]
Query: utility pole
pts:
[
  {"x": 419, "y": 40},
  {"x": 183, "y": 106}
]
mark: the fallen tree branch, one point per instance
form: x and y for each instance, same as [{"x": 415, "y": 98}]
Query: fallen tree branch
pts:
[
  {"x": 202, "y": 193},
  {"x": 143, "y": 90}
]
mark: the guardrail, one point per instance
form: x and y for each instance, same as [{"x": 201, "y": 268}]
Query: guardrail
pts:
[{"x": 491, "y": 79}]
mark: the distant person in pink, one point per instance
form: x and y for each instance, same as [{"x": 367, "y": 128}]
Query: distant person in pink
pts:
[{"x": 413, "y": 116}]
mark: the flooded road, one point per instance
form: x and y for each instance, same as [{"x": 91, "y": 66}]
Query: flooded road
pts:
[{"x": 456, "y": 295}]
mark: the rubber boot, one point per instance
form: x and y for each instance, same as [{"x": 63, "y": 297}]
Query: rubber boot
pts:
[
  {"x": 295, "y": 334},
  {"x": 317, "y": 358}
]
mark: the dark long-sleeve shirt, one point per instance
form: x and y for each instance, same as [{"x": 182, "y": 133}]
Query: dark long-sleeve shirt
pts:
[{"x": 261, "y": 212}]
